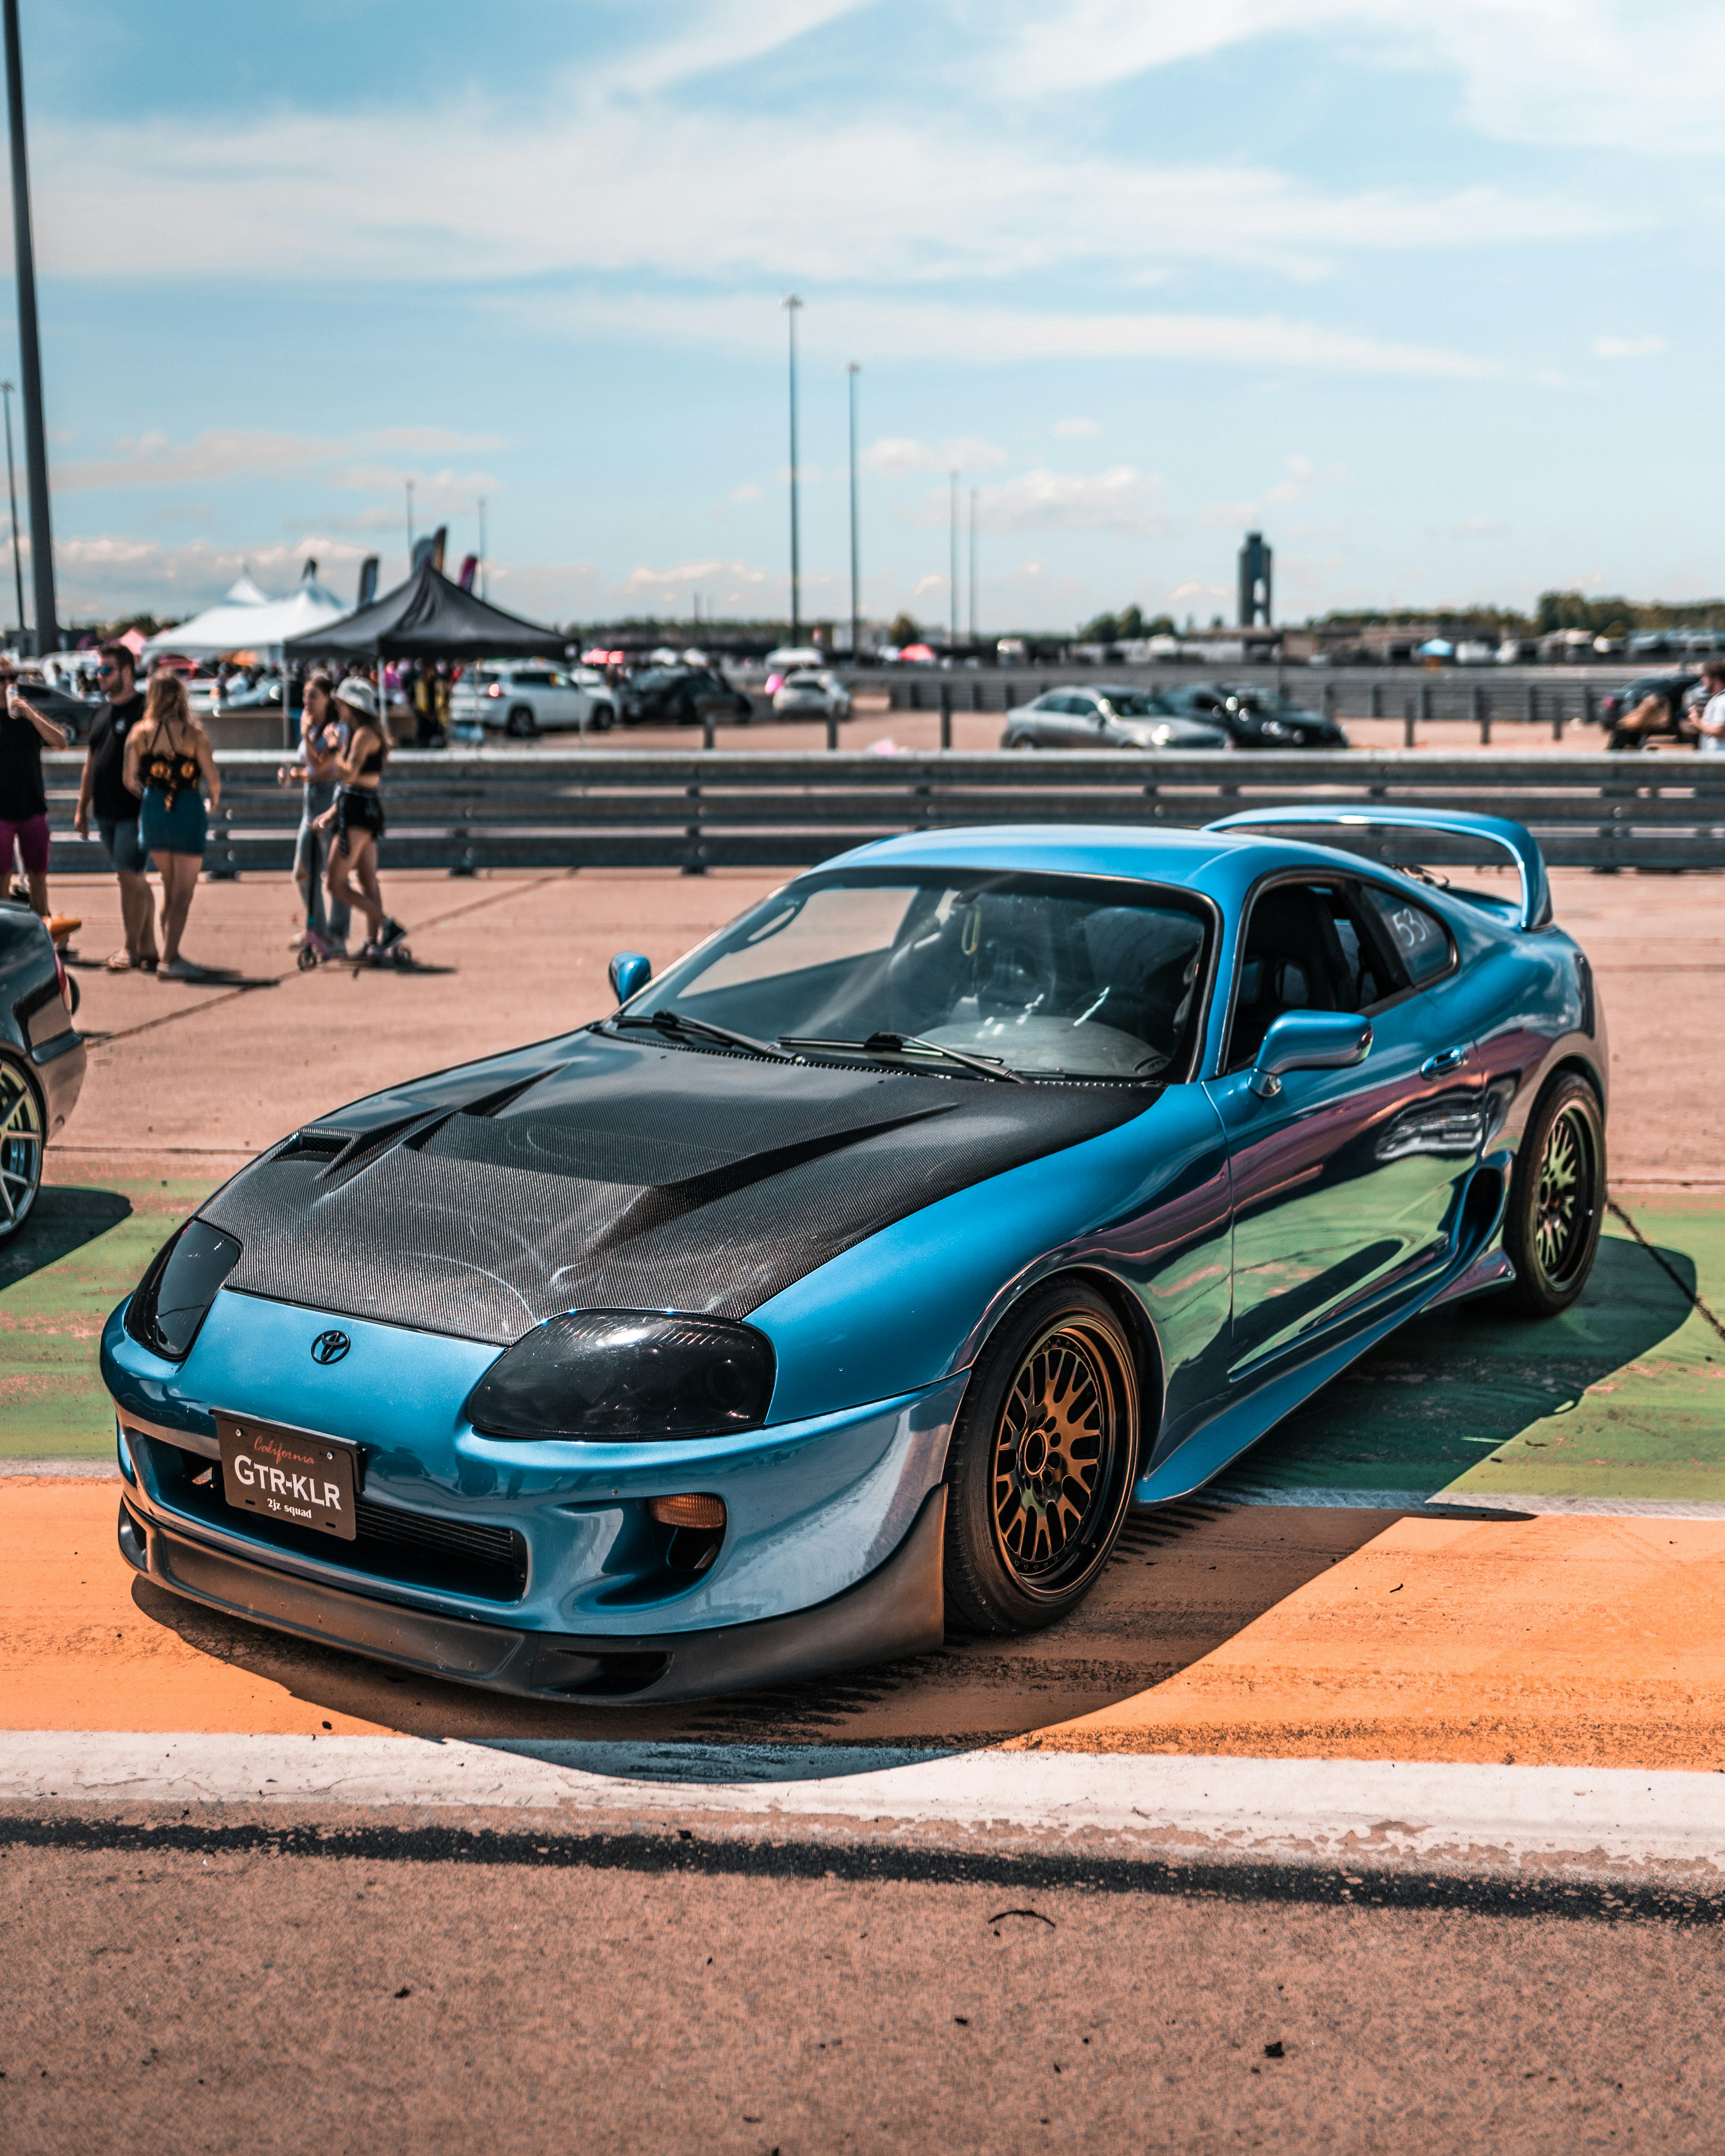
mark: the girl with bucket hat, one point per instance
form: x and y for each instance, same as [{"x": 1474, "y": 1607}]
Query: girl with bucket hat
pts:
[{"x": 356, "y": 817}]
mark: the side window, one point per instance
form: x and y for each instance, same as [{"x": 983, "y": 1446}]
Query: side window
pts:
[
  {"x": 1418, "y": 939},
  {"x": 1291, "y": 959}
]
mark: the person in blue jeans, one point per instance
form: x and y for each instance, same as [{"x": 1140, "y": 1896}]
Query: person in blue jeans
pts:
[
  {"x": 323, "y": 740},
  {"x": 170, "y": 766}
]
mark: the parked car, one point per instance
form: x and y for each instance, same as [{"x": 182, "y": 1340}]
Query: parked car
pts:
[
  {"x": 812, "y": 693},
  {"x": 1107, "y": 717},
  {"x": 682, "y": 696},
  {"x": 59, "y": 705},
  {"x": 42, "y": 1056},
  {"x": 852, "y": 1281},
  {"x": 1257, "y": 718},
  {"x": 525, "y": 699},
  {"x": 262, "y": 695},
  {"x": 1676, "y": 690}
]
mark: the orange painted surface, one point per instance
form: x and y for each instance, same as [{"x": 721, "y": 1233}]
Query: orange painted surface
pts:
[
  {"x": 1561, "y": 1641},
  {"x": 78, "y": 1652},
  {"x": 1551, "y": 1640}
]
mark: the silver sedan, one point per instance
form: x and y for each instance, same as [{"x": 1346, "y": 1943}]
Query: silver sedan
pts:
[{"x": 1106, "y": 717}]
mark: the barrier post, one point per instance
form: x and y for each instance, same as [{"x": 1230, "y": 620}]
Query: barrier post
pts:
[
  {"x": 832, "y": 731},
  {"x": 1408, "y": 710},
  {"x": 946, "y": 715}
]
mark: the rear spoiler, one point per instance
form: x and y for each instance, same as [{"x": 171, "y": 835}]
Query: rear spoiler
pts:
[{"x": 1351, "y": 825}]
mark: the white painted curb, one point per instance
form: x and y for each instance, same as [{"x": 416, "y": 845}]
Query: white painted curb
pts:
[{"x": 1307, "y": 1811}]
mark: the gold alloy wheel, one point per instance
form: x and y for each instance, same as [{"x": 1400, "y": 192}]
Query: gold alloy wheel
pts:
[
  {"x": 1564, "y": 1203},
  {"x": 1053, "y": 1484},
  {"x": 20, "y": 1146}
]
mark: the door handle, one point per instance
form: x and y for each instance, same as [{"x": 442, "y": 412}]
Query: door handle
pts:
[{"x": 1444, "y": 1062}]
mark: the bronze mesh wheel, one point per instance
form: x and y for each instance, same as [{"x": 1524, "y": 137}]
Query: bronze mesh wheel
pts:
[
  {"x": 1556, "y": 1200},
  {"x": 1041, "y": 1469}
]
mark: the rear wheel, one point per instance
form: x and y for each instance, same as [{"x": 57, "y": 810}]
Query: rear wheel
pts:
[
  {"x": 1041, "y": 1469},
  {"x": 602, "y": 718},
  {"x": 20, "y": 1146},
  {"x": 522, "y": 725},
  {"x": 1556, "y": 1200}
]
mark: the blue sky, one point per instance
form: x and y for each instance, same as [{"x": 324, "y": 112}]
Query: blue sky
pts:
[{"x": 1430, "y": 300}]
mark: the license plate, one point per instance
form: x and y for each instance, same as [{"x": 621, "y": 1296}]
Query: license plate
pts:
[{"x": 302, "y": 1481}]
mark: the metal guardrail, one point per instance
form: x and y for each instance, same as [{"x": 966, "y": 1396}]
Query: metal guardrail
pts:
[{"x": 497, "y": 808}]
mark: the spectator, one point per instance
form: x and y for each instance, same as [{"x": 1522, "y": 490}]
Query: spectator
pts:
[
  {"x": 357, "y": 815},
  {"x": 323, "y": 737},
  {"x": 167, "y": 760},
  {"x": 23, "y": 803},
  {"x": 1710, "y": 723},
  {"x": 103, "y": 792}
]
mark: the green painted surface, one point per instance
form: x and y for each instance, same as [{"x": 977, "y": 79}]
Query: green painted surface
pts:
[
  {"x": 1623, "y": 1396},
  {"x": 79, "y": 1252}
]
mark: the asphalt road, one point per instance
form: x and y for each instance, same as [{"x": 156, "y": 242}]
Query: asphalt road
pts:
[{"x": 260, "y": 2002}]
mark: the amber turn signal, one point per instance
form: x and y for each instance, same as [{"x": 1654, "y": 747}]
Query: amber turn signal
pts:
[{"x": 691, "y": 1511}]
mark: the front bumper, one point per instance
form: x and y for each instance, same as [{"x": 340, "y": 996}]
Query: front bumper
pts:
[{"x": 897, "y": 1610}]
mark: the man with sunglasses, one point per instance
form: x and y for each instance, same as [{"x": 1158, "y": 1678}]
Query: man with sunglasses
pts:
[{"x": 104, "y": 792}]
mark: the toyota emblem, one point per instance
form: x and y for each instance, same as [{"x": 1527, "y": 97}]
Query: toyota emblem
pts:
[{"x": 330, "y": 1346}]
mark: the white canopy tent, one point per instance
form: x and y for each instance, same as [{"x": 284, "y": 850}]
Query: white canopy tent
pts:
[{"x": 260, "y": 624}]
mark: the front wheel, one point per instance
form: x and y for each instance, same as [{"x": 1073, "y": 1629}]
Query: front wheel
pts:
[
  {"x": 1040, "y": 1469},
  {"x": 21, "y": 1138},
  {"x": 521, "y": 724},
  {"x": 1556, "y": 1200}
]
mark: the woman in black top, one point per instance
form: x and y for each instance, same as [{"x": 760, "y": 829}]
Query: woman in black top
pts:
[{"x": 356, "y": 816}]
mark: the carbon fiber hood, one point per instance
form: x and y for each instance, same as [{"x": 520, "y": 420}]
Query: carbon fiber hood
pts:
[{"x": 624, "y": 1176}]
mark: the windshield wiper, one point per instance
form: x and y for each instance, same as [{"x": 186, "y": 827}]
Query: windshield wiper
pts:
[
  {"x": 896, "y": 1043},
  {"x": 670, "y": 1021}
]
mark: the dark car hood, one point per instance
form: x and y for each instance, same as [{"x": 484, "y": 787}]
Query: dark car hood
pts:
[{"x": 621, "y": 1175}]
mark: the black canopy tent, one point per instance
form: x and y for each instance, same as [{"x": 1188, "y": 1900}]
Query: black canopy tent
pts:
[{"x": 427, "y": 617}]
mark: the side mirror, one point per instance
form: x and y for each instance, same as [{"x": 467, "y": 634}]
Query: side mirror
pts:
[
  {"x": 630, "y": 973},
  {"x": 1310, "y": 1040}
]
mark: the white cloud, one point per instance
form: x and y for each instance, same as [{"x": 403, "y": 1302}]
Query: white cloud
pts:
[
  {"x": 983, "y": 335},
  {"x": 897, "y": 456},
  {"x": 1641, "y": 348},
  {"x": 1600, "y": 72},
  {"x": 1120, "y": 500},
  {"x": 1481, "y": 528},
  {"x": 1076, "y": 430},
  {"x": 473, "y": 189},
  {"x": 153, "y": 459},
  {"x": 747, "y": 492},
  {"x": 682, "y": 578}
]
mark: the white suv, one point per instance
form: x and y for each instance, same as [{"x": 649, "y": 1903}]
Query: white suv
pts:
[{"x": 527, "y": 697}]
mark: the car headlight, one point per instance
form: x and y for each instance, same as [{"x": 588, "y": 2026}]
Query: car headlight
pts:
[
  {"x": 620, "y": 1375},
  {"x": 1276, "y": 730},
  {"x": 173, "y": 1300}
]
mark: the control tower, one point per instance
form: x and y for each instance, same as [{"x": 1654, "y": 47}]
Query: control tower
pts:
[{"x": 1255, "y": 606}]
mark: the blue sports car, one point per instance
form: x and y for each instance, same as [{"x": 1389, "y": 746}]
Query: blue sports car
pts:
[{"x": 849, "y": 1284}]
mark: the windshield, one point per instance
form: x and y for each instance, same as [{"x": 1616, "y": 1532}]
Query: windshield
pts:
[
  {"x": 1054, "y": 975},
  {"x": 1135, "y": 704}
]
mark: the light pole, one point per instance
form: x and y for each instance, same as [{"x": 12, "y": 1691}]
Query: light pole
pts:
[
  {"x": 18, "y": 564},
  {"x": 482, "y": 545},
  {"x": 972, "y": 565},
  {"x": 48, "y": 627},
  {"x": 853, "y": 370},
  {"x": 791, "y": 306},
  {"x": 409, "y": 483},
  {"x": 953, "y": 569}
]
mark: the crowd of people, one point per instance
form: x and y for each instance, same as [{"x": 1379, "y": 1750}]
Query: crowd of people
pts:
[{"x": 150, "y": 779}]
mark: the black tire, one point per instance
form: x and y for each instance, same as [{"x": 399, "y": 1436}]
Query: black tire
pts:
[
  {"x": 1556, "y": 1200},
  {"x": 687, "y": 716},
  {"x": 1030, "y": 1523},
  {"x": 603, "y": 718},
  {"x": 521, "y": 724},
  {"x": 22, "y": 1138}
]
